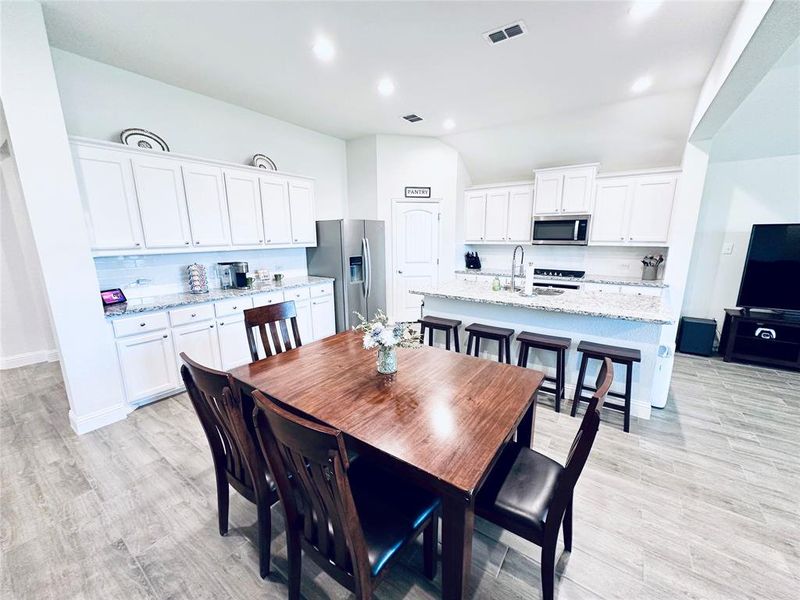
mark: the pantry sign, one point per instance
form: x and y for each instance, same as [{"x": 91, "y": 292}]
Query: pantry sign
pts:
[{"x": 418, "y": 192}]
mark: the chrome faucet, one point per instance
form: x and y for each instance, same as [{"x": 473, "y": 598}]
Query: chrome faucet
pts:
[{"x": 514, "y": 266}]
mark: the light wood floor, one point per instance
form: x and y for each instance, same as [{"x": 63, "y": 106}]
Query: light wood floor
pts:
[{"x": 700, "y": 502}]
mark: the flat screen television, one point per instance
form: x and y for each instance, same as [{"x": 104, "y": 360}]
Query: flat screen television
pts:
[{"x": 771, "y": 277}]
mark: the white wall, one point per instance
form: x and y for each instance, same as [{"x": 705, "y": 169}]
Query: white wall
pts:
[
  {"x": 99, "y": 101},
  {"x": 362, "y": 178}
]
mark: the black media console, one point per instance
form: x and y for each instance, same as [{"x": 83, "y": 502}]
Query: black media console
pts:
[{"x": 762, "y": 337}]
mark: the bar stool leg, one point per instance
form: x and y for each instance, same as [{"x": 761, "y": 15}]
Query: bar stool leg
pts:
[
  {"x": 628, "y": 385},
  {"x": 447, "y": 339},
  {"x": 579, "y": 384},
  {"x": 477, "y": 346},
  {"x": 430, "y": 336},
  {"x": 469, "y": 343},
  {"x": 455, "y": 338},
  {"x": 422, "y": 333},
  {"x": 559, "y": 378},
  {"x": 500, "y": 350},
  {"x": 521, "y": 362},
  {"x": 508, "y": 350}
]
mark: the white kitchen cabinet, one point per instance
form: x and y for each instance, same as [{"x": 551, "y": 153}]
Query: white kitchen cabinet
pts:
[
  {"x": 520, "y": 204},
  {"x": 474, "y": 216},
  {"x": 323, "y": 317},
  {"x": 162, "y": 202},
  {"x": 147, "y": 362},
  {"x": 610, "y": 216},
  {"x": 206, "y": 204},
  {"x": 496, "y": 215},
  {"x": 305, "y": 321},
  {"x": 548, "y": 193},
  {"x": 233, "y": 347},
  {"x": 105, "y": 178},
  {"x": 275, "y": 210},
  {"x": 244, "y": 208},
  {"x": 301, "y": 209},
  {"x": 651, "y": 209},
  {"x": 564, "y": 190},
  {"x": 200, "y": 343}
]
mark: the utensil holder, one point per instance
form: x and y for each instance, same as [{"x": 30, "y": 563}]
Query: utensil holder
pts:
[{"x": 649, "y": 273}]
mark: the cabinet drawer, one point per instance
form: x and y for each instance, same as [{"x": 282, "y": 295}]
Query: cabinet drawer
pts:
[
  {"x": 191, "y": 314},
  {"x": 297, "y": 294},
  {"x": 234, "y": 306},
  {"x": 324, "y": 289},
  {"x": 268, "y": 298},
  {"x": 142, "y": 324}
]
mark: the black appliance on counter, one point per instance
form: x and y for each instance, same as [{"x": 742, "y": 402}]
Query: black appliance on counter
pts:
[
  {"x": 473, "y": 261},
  {"x": 566, "y": 275}
]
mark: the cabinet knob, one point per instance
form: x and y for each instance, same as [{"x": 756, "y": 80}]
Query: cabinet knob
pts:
[
  {"x": 142, "y": 324},
  {"x": 260, "y": 241},
  {"x": 197, "y": 242},
  {"x": 187, "y": 243},
  {"x": 194, "y": 315},
  {"x": 630, "y": 238},
  {"x": 622, "y": 238},
  {"x": 295, "y": 239},
  {"x": 211, "y": 327},
  {"x": 138, "y": 244},
  {"x": 268, "y": 241},
  {"x": 165, "y": 336},
  {"x": 235, "y": 307}
]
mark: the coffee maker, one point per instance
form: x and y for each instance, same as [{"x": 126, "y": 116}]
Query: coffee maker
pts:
[{"x": 232, "y": 274}]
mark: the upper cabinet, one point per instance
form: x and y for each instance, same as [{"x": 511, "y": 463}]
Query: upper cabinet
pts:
[
  {"x": 474, "y": 216},
  {"x": 498, "y": 214},
  {"x": 143, "y": 201},
  {"x": 564, "y": 190}
]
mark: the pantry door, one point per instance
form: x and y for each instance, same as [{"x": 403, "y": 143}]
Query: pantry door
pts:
[{"x": 415, "y": 231}]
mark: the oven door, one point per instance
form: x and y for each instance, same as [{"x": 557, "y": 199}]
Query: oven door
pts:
[{"x": 561, "y": 231}]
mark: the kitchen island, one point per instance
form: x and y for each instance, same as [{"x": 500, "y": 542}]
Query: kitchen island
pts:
[{"x": 618, "y": 319}]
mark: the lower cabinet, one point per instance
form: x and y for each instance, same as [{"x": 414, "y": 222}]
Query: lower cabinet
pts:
[
  {"x": 199, "y": 342},
  {"x": 323, "y": 317},
  {"x": 305, "y": 323},
  {"x": 233, "y": 348},
  {"x": 147, "y": 362}
]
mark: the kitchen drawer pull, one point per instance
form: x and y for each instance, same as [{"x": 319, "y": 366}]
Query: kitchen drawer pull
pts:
[
  {"x": 194, "y": 315},
  {"x": 235, "y": 307},
  {"x": 187, "y": 243},
  {"x": 211, "y": 327},
  {"x": 165, "y": 336},
  {"x": 142, "y": 324}
]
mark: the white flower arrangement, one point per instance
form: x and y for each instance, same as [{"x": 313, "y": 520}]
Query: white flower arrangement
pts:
[{"x": 380, "y": 333}]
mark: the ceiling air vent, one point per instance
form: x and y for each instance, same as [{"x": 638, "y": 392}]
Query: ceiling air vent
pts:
[
  {"x": 412, "y": 118},
  {"x": 507, "y": 32}
]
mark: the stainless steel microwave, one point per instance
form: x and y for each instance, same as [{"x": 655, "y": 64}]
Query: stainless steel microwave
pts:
[{"x": 561, "y": 230}]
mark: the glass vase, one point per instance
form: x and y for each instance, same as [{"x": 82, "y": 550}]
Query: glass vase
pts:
[{"x": 387, "y": 360}]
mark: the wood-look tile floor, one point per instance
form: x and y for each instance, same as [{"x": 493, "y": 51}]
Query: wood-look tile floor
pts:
[{"x": 702, "y": 501}]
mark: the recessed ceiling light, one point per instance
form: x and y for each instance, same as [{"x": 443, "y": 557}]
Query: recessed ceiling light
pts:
[
  {"x": 448, "y": 124},
  {"x": 324, "y": 49},
  {"x": 642, "y": 9},
  {"x": 642, "y": 84},
  {"x": 386, "y": 87}
]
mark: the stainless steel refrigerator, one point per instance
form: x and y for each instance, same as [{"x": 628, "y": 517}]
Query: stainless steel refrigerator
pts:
[{"x": 354, "y": 253}]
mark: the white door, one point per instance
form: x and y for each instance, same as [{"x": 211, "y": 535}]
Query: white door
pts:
[
  {"x": 162, "y": 202},
  {"x": 275, "y": 210},
  {"x": 474, "y": 216},
  {"x": 199, "y": 342},
  {"x": 576, "y": 197},
  {"x": 496, "y": 215},
  {"x": 208, "y": 210},
  {"x": 244, "y": 209},
  {"x": 233, "y": 347},
  {"x": 520, "y": 206},
  {"x": 305, "y": 320},
  {"x": 323, "y": 317},
  {"x": 609, "y": 219},
  {"x": 651, "y": 209},
  {"x": 148, "y": 364},
  {"x": 301, "y": 207},
  {"x": 415, "y": 231},
  {"x": 547, "y": 200},
  {"x": 105, "y": 178}
]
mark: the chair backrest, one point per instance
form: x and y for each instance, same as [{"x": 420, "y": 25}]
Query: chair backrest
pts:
[
  {"x": 274, "y": 315},
  {"x": 309, "y": 462},
  {"x": 218, "y": 404}
]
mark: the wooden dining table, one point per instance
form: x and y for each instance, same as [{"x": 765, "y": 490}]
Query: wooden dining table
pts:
[{"x": 440, "y": 421}]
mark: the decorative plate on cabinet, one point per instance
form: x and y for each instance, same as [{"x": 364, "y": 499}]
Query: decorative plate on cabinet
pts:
[
  {"x": 262, "y": 161},
  {"x": 142, "y": 138}
]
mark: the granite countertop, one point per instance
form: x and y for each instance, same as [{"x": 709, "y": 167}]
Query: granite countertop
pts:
[
  {"x": 155, "y": 303},
  {"x": 610, "y": 279},
  {"x": 647, "y": 309}
]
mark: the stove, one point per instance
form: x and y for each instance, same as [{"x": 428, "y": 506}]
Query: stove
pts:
[{"x": 560, "y": 273}]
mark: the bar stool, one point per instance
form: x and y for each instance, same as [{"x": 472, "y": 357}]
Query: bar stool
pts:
[
  {"x": 559, "y": 345},
  {"x": 439, "y": 324},
  {"x": 618, "y": 355},
  {"x": 501, "y": 335}
]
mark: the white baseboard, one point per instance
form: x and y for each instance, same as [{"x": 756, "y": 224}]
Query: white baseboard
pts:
[
  {"x": 27, "y": 358},
  {"x": 99, "y": 418}
]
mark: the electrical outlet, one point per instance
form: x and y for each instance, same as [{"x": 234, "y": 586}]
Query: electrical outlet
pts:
[
  {"x": 626, "y": 266},
  {"x": 727, "y": 248}
]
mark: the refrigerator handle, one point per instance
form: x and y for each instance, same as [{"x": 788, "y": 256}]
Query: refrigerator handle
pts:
[
  {"x": 369, "y": 268},
  {"x": 364, "y": 266}
]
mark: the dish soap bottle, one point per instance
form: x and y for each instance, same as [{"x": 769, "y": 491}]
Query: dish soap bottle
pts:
[{"x": 496, "y": 284}]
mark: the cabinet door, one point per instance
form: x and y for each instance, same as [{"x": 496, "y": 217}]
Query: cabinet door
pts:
[
  {"x": 108, "y": 194},
  {"x": 305, "y": 320},
  {"x": 244, "y": 209},
  {"x": 474, "y": 216},
  {"x": 199, "y": 342},
  {"x": 547, "y": 199},
  {"x": 233, "y": 347},
  {"x": 205, "y": 200},
  {"x": 520, "y": 204},
  {"x": 162, "y": 202},
  {"x": 275, "y": 209},
  {"x": 496, "y": 215},
  {"x": 148, "y": 364},
  {"x": 301, "y": 208},
  {"x": 651, "y": 209},
  {"x": 576, "y": 197},
  {"x": 323, "y": 317},
  {"x": 609, "y": 219}
]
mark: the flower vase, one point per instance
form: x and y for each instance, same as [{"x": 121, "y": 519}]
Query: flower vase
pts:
[{"x": 387, "y": 360}]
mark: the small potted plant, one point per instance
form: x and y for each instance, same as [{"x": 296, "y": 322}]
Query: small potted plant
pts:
[{"x": 387, "y": 338}]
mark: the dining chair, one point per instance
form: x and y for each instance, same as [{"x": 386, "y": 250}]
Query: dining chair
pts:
[
  {"x": 351, "y": 517},
  {"x": 237, "y": 460},
  {"x": 530, "y": 495},
  {"x": 276, "y": 316}
]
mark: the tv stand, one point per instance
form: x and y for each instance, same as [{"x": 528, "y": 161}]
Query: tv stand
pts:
[{"x": 762, "y": 337}]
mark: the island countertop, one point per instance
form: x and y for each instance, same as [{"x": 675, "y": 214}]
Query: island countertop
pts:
[
  {"x": 647, "y": 309},
  {"x": 608, "y": 279}
]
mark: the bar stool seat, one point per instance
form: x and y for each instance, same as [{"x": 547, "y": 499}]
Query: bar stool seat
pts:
[
  {"x": 618, "y": 355},
  {"x": 559, "y": 345},
  {"x": 439, "y": 324},
  {"x": 501, "y": 335}
]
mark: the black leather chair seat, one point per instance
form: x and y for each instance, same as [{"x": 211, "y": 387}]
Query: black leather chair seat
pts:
[
  {"x": 391, "y": 510},
  {"x": 518, "y": 491}
]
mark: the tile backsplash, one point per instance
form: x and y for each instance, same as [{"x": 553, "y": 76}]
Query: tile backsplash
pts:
[{"x": 166, "y": 273}]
